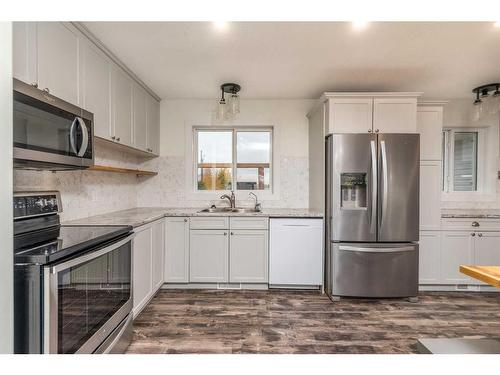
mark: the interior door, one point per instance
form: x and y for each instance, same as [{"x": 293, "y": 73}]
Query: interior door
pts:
[
  {"x": 353, "y": 188},
  {"x": 399, "y": 179}
]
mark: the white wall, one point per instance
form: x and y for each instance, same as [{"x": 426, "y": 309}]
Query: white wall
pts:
[
  {"x": 87, "y": 193},
  {"x": 458, "y": 113},
  {"x": 173, "y": 188},
  {"x": 6, "y": 253}
]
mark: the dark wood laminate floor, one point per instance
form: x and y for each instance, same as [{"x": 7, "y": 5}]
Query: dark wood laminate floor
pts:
[{"x": 277, "y": 321}]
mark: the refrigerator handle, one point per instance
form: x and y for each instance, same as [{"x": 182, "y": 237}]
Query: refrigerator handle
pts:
[
  {"x": 373, "y": 220},
  {"x": 385, "y": 182}
]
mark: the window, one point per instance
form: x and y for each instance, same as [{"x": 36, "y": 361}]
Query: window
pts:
[
  {"x": 233, "y": 159},
  {"x": 462, "y": 150}
]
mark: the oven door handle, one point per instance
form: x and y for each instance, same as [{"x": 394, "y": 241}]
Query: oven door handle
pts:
[{"x": 85, "y": 258}]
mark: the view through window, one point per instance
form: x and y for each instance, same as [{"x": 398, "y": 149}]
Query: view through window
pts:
[{"x": 233, "y": 159}]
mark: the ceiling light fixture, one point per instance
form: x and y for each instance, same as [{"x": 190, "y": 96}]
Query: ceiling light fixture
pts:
[
  {"x": 497, "y": 24},
  {"x": 230, "y": 108},
  {"x": 486, "y": 103},
  {"x": 220, "y": 25},
  {"x": 360, "y": 25}
]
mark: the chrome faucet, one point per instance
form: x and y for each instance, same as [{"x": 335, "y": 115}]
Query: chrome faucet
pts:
[
  {"x": 258, "y": 206},
  {"x": 231, "y": 198}
]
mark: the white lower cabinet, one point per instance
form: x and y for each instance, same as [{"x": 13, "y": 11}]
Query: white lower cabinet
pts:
[
  {"x": 147, "y": 260},
  {"x": 429, "y": 257},
  {"x": 177, "y": 250},
  {"x": 486, "y": 250},
  {"x": 456, "y": 249},
  {"x": 208, "y": 256},
  {"x": 248, "y": 256}
]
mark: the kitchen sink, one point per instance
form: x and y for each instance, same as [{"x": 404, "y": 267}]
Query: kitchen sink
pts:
[{"x": 228, "y": 210}]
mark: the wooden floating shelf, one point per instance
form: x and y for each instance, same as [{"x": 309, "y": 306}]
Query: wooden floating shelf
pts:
[{"x": 137, "y": 172}]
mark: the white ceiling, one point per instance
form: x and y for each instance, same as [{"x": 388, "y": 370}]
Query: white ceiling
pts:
[{"x": 301, "y": 60}]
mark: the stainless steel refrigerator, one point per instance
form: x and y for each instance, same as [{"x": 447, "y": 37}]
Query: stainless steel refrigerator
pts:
[{"x": 372, "y": 215}]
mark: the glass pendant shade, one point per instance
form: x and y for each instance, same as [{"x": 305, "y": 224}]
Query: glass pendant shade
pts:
[
  {"x": 222, "y": 110},
  {"x": 234, "y": 104},
  {"x": 477, "y": 111}
]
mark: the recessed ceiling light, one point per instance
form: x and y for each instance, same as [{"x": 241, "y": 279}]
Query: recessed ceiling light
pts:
[
  {"x": 360, "y": 25},
  {"x": 220, "y": 25}
]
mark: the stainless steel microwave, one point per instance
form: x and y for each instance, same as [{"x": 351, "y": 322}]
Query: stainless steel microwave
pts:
[{"x": 50, "y": 133}]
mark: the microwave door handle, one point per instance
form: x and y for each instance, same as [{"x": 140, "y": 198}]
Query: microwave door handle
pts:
[
  {"x": 374, "y": 184},
  {"x": 385, "y": 182},
  {"x": 72, "y": 136},
  {"x": 85, "y": 137}
]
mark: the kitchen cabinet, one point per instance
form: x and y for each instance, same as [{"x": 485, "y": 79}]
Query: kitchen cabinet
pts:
[
  {"x": 208, "y": 256},
  {"x": 153, "y": 125},
  {"x": 486, "y": 250},
  {"x": 350, "y": 115},
  {"x": 24, "y": 51},
  {"x": 430, "y": 195},
  {"x": 248, "y": 256},
  {"x": 95, "y": 88},
  {"x": 176, "y": 250},
  {"x": 296, "y": 252},
  {"x": 158, "y": 253},
  {"x": 430, "y": 128},
  {"x": 122, "y": 106},
  {"x": 57, "y": 60},
  {"x": 456, "y": 249},
  {"x": 429, "y": 265},
  {"x": 395, "y": 115},
  {"x": 142, "y": 268},
  {"x": 140, "y": 118}
]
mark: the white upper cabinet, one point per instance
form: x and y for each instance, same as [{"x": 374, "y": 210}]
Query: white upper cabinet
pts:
[
  {"x": 57, "y": 60},
  {"x": 122, "y": 89},
  {"x": 395, "y": 115},
  {"x": 24, "y": 51},
  {"x": 430, "y": 195},
  {"x": 140, "y": 118},
  {"x": 153, "y": 125},
  {"x": 371, "y": 112},
  {"x": 430, "y": 126},
  {"x": 350, "y": 115},
  {"x": 95, "y": 87}
]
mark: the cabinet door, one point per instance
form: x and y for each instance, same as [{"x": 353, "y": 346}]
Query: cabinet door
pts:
[
  {"x": 24, "y": 51},
  {"x": 208, "y": 256},
  {"x": 456, "y": 249},
  {"x": 430, "y": 195},
  {"x": 430, "y": 127},
  {"x": 176, "y": 250},
  {"x": 142, "y": 260},
  {"x": 429, "y": 257},
  {"x": 95, "y": 88},
  {"x": 153, "y": 120},
  {"x": 158, "y": 240},
  {"x": 122, "y": 106},
  {"x": 395, "y": 115},
  {"x": 57, "y": 60},
  {"x": 248, "y": 256},
  {"x": 350, "y": 115},
  {"x": 140, "y": 125},
  {"x": 486, "y": 250}
]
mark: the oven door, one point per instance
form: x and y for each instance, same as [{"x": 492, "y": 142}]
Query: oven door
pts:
[
  {"x": 86, "y": 298},
  {"x": 50, "y": 133}
]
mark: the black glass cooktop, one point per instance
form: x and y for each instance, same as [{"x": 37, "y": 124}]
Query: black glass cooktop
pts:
[{"x": 64, "y": 242}]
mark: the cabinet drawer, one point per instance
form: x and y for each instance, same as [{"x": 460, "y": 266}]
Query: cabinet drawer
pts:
[
  {"x": 467, "y": 224},
  {"x": 249, "y": 223},
  {"x": 209, "y": 222}
]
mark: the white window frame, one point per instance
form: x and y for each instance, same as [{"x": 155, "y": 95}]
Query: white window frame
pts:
[
  {"x": 234, "y": 130},
  {"x": 448, "y": 162}
]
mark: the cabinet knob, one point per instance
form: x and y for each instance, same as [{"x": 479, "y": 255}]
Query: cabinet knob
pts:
[
  {"x": 232, "y": 234},
  {"x": 118, "y": 139},
  {"x": 46, "y": 90},
  {"x": 113, "y": 137},
  {"x": 225, "y": 233},
  {"x": 185, "y": 220},
  {"x": 480, "y": 235},
  {"x": 475, "y": 224},
  {"x": 376, "y": 130},
  {"x": 369, "y": 130},
  {"x": 473, "y": 234},
  {"x": 35, "y": 85}
]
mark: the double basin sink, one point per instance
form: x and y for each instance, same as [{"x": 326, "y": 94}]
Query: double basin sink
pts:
[{"x": 229, "y": 210}]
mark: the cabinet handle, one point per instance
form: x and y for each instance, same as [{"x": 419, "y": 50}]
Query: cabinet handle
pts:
[
  {"x": 480, "y": 235},
  {"x": 475, "y": 224},
  {"x": 376, "y": 131},
  {"x": 369, "y": 130},
  {"x": 473, "y": 234}
]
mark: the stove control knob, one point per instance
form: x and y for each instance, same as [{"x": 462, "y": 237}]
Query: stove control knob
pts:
[
  {"x": 40, "y": 202},
  {"x": 51, "y": 202}
]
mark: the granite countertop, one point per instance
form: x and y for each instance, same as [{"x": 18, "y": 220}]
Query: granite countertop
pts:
[
  {"x": 470, "y": 214},
  {"x": 136, "y": 217}
]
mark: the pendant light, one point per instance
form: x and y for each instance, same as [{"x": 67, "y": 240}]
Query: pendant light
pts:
[
  {"x": 228, "y": 110},
  {"x": 486, "y": 103}
]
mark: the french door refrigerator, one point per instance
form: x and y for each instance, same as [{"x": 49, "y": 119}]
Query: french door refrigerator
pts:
[{"x": 372, "y": 215}]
